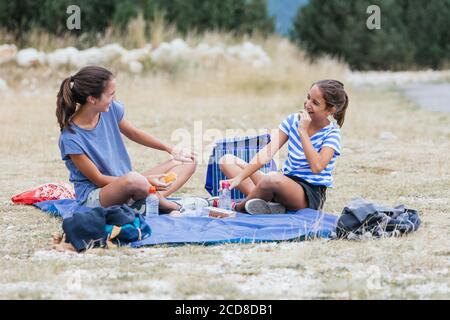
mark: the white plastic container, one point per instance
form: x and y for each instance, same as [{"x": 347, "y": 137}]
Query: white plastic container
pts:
[
  {"x": 225, "y": 196},
  {"x": 152, "y": 203}
]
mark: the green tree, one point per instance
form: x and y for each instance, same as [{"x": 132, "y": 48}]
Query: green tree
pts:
[
  {"x": 96, "y": 15},
  {"x": 20, "y": 15},
  {"x": 256, "y": 18},
  {"x": 429, "y": 30},
  {"x": 413, "y": 32}
]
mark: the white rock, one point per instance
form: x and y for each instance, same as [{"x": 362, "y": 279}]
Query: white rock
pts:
[
  {"x": 112, "y": 51},
  {"x": 30, "y": 57},
  {"x": 208, "y": 55},
  {"x": 162, "y": 50},
  {"x": 386, "y": 135},
  {"x": 251, "y": 54},
  {"x": 179, "y": 46},
  {"x": 135, "y": 67},
  {"x": 171, "y": 52},
  {"x": 136, "y": 54},
  {"x": 95, "y": 56},
  {"x": 89, "y": 56},
  {"x": 7, "y": 52},
  {"x": 61, "y": 57},
  {"x": 247, "y": 52},
  {"x": 82, "y": 58}
]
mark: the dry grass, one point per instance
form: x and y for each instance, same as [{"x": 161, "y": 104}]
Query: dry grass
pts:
[{"x": 412, "y": 169}]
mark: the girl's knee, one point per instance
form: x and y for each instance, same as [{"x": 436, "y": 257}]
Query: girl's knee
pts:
[
  {"x": 227, "y": 160},
  {"x": 132, "y": 177},
  {"x": 271, "y": 181},
  {"x": 276, "y": 178},
  {"x": 265, "y": 183},
  {"x": 136, "y": 181}
]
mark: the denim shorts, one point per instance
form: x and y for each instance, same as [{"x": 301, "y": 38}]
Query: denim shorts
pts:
[{"x": 93, "y": 199}]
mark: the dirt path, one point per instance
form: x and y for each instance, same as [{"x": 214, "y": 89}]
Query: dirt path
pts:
[{"x": 430, "y": 96}]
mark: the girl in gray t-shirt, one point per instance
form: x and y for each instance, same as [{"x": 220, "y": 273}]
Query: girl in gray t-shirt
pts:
[{"x": 91, "y": 144}]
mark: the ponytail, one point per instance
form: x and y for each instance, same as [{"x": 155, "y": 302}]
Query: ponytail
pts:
[
  {"x": 74, "y": 91},
  {"x": 339, "y": 116},
  {"x": 335, "y": 96},
  {"x": 65, "y": 105}
]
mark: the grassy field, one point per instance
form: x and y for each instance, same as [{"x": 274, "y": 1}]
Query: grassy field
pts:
[{"x": 411, "y": 168}]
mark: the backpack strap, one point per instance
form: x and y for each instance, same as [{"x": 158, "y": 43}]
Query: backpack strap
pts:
[
  {"x": 137, "y": 224},
  {"x": 140, "y": 234}
]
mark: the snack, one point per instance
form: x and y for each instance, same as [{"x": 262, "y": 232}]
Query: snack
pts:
[
  {"x": 170, "y": 177},
  {"x": 219, "y": 212}
]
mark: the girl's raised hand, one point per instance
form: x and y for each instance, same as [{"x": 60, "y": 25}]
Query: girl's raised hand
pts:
[
  {"x": 183, "y": 155},
  {"x": 304, "y": 120},
  {"x": 155, "y": 180},
  {"x": 234, "y": 182}
]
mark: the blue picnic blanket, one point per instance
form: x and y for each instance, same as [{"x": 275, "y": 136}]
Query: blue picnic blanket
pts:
[{"x": 244, "y": 228}]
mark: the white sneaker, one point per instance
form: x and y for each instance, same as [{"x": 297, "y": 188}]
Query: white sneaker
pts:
[
  {"x": 193, "y": 205},
  {"x": 259, "y": 206}
]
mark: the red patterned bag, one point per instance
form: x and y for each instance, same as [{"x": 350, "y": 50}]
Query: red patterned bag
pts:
[{"x": 48, "y": 191}]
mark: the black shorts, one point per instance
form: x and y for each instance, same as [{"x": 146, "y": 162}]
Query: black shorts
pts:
[{"x": 315, "y": 195}]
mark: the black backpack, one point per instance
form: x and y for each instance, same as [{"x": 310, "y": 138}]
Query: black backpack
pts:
[{"x": 363, "y": 219}]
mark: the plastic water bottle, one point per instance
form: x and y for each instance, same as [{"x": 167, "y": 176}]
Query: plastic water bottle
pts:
[
  {"x": 151, "y": 203},
  {"x": 225, "y": 196}
]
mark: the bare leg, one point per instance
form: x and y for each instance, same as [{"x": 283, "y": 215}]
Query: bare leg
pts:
[
  {"x": 279, "y": 187},
  {"x": 231, "y": 166},
  {"x": 132, "y": 185},
  {"x": 162, "y": 168},
  {"x": 183, "y": 170}
]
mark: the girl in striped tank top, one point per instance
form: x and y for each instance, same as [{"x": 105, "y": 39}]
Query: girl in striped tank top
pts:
[{"x": 314, "y": 143}]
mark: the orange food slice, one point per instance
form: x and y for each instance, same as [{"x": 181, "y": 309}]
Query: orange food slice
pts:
[{"x": 170, "y": 177}]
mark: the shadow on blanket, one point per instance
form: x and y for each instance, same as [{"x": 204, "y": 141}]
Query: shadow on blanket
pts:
[{"x": 244, "y": 228}]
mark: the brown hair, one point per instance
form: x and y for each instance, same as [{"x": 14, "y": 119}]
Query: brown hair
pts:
[
  {"x": 74, "y": 90},
  {"x": 335, "y": 96}
]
